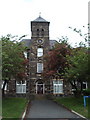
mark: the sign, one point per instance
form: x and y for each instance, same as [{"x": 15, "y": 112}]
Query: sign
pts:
[{"x": 84, "y": 97}]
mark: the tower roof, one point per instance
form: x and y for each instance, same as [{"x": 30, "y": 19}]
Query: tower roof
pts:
[{"x": 39, "y": 19}]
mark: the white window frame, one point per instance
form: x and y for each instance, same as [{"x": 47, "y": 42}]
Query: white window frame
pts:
[
  {"x": 20, "y": 87},
  {"x": 58, "y": 87},
  {"x": 82, "y": 83},
  {"x": 5, "y": 86},
  {"x": 39, "y": 67},
  {"x": 86, "y": 85},
  {"x": 39, "y": 52}
]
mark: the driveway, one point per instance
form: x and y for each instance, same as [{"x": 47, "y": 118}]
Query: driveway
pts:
[{"x": 43, "y": 108}]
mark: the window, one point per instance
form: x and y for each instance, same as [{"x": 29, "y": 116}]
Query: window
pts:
[
  {"x": 42, "y": 32},
  {"x": 37, "y": 32},
  {"x": 84, "y": 85},
  {"x": 78, "y": 84},
  {"x": 39, "y": 52},
  {"x": 20, "y": 86},
  {"x": 5, "y": 86},
  {"x": 57, "y": 87},
  {"x": 39, "y": 67}
]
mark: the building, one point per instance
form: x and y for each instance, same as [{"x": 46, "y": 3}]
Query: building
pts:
[{"x": 37, "y": 47}]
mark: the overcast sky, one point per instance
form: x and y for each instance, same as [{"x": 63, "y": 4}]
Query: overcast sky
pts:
[{"x": 15, "y": 17}]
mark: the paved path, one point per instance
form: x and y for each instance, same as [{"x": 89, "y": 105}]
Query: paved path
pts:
[{"x": 43, "y": 108}]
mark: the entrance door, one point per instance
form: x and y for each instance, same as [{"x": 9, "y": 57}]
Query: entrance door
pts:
[{"x": 39, "y": 88}]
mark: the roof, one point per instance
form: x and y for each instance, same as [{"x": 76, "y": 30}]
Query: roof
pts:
[
  {"x": 27, "y": 43},
  {"x": 39, "y": 19},
  {"x": 52, "y": 43}
]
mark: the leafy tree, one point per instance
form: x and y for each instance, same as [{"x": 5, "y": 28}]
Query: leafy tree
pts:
[
  {"x": 55, "y": 60},
  {"x": 78, "y": 67},
  {"x": 85, "y": 36},
  {"x": 81, "y": 56},
  {"x": 13, "y": 60},
  {"x": 67, "y": 62}
]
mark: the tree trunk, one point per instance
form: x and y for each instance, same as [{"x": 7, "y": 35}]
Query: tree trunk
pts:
[
  {"x": 76, "y": 92},
  {"x": 73, "y": 85},
  {"x": 81, "y": 86},
  {"x": 3, "y": 94}
]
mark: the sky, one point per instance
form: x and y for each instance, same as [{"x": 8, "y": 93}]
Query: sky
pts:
[{"x": 15, "y": 17}]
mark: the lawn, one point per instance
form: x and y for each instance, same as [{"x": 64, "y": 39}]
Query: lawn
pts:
[
  {"x": 75, "y": 104},
  {"x": 13, "y": 107}
]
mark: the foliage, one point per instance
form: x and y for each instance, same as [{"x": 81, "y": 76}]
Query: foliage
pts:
[
  {"x": 85, "y": 36},
  {"x": 13, "y": 60},
  {"x": 86, "y": 92},
  {"x": 78, "y": 66},
  {"x": 80, "y": 59},
  {"x": 55, "y": 60},
  {"x": 71, "y": 63}
]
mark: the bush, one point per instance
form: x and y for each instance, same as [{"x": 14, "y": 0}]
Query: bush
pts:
[
  {"x": 49, "y": 96},
  {"x": 86, "y": 92},
  {"x": 77, "y": 93}
]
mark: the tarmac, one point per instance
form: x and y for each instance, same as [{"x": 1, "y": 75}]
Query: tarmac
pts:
[{"x": 42, "y": 108}]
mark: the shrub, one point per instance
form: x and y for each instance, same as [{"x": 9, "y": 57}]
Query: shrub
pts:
[{"x": 86, "y": 92}]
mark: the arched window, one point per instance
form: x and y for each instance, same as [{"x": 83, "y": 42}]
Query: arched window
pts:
[
  {"x": 39, "y": 52},
  {"x": 37, "y": 32},
  {"x": 42, "y": 32}
]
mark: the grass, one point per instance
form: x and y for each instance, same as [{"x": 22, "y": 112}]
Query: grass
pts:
[
  {"x": 13, "y": 107},
  {"x": 75, "y": 104}
]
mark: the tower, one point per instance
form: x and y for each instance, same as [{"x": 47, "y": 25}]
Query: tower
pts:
[{"x": 38, "y": 48}]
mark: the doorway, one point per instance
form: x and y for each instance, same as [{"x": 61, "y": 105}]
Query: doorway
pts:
[{"x": 40, "y": 88}]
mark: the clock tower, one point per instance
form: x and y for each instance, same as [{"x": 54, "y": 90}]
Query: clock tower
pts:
[{"x": 38, "y": 48}]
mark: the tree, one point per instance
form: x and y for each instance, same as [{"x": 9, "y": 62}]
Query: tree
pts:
[
  {"x": 69, "y": 63},
  {"x": 13, "y": 60},
  {"x": 85, "y": 36},
  {"x": 78, "y": 67},
  {"x": 55, "y": 60}
]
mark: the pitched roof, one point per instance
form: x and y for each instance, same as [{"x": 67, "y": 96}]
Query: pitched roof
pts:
[
  {"x": 52, "y": 43},
  {"x": 26, "y": 42},
  {"x": 39, "y": 19}
]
